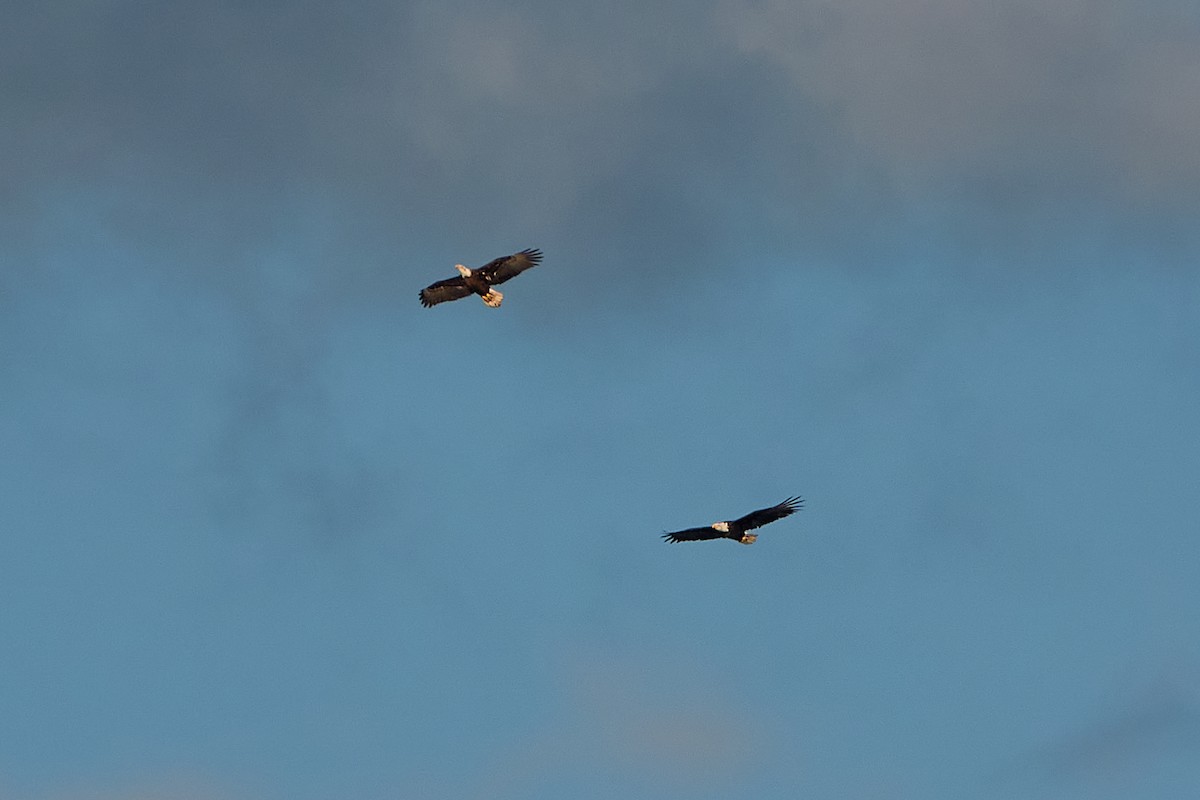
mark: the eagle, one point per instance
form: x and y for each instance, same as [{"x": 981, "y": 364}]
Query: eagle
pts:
[
  {"x": 480, "y": 281},
  {"x": 737, "y": 529}
]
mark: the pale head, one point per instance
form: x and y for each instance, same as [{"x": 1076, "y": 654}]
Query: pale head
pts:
[
  {"x": 723, "y": 527},
  {"x": 464, "y": 271}
]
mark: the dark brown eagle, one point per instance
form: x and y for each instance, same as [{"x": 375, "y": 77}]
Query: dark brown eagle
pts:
[
  {"x": 480, "y": 281},
  {"x": 737, "y": 529}
]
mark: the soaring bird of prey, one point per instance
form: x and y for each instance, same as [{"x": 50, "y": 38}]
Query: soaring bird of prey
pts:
[
  {"x": 480, "y": 281},
  {"x": 737, "y": 529}
]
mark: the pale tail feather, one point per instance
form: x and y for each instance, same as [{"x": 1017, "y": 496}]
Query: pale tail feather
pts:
[{"x": 493, "y": 299}]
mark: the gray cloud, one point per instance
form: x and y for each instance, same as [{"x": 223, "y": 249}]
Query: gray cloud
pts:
[
  {"x": 302, "y": 168},
  {"x": 1073, "y": 95},
  {"x": 1131, "y": 745},
  {"x": 840, "y": 130}
]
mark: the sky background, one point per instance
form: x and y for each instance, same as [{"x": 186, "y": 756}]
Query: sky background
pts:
[{"x": 269, "y": 529}]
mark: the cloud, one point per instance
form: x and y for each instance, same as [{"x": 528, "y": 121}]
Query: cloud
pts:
[
  {"x": 656, "y": 143},
  {"x": 1133, "y": 746},
  {"x": 299, "y": 175},
  {"x": 1060, "y": 97},
  {"x": 650, "y": 723},
  {"x": 1130, "y": 739}
]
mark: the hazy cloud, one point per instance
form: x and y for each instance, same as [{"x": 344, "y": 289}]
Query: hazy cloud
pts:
[
  {"x": 1163, "y": 718},
  {"x": 830, "y": 128},
  {"x": 649, "y": 724},
  {"x": 1059, "y": 97}
]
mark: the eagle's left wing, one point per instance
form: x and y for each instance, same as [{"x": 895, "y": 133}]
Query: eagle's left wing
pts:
[
  {"x": 764, "y": 516},
  {"x": 501, "y": 269}
]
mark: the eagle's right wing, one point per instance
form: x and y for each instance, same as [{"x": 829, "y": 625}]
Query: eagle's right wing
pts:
[
  {"x": 693, "y": 535},
  {"x": 440, "y": 292}
]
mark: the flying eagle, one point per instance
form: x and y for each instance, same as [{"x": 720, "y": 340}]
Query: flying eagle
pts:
[
  {"x": 480, "y": 281},
  {"x": 737, "y": 529}
]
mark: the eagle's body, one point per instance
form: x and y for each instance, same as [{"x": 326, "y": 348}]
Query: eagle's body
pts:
[
  {"x": 480, "y": 281},
  {"x": 738, "y": 529}
]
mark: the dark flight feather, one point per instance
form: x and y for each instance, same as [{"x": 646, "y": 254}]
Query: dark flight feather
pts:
[
  {"x": 765, "y": 516},
  {"x": 442, "y": 291},
  {"x": 501, "y": 269},
  {"x": 694, "y": 535}
]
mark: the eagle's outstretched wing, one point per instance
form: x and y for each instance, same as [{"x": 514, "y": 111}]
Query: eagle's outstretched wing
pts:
[
  {"x": 693, "y": 535},
  {"x": 440, "y": 292},
  {"x": 501, "y": 269},
  {"x": 764, "y": 516}
]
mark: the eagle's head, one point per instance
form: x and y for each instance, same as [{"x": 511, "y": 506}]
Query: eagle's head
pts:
[
  {"x": 464, "y": 271},
  {"x": 723, "y": 527}
]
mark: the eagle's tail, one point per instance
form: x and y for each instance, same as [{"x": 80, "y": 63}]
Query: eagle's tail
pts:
[
  {"x": 493, "y": 299},
  {"x": 748, "y": 538}
]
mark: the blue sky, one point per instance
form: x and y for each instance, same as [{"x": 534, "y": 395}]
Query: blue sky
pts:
[{"x": 273, "y": 530}]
